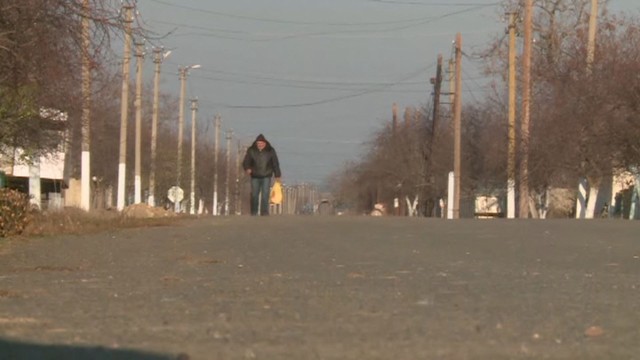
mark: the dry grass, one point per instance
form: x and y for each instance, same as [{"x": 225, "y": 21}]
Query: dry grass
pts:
[{"x": 75, "y": 221}]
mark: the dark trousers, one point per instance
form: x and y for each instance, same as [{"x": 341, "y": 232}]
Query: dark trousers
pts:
[{"x": 260, "y": 193}]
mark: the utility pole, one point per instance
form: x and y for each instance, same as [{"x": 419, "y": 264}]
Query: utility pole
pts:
[
  {"x": 448, "y": 214},
  {"x": 457, "y": 119},
  {"x": 216, "y": 144},
  {"x": 593, "y": 29},
  {"x": 192, "y": 196},
  {"x": 437, "y": 88},
  {"x": 138, "y": 106},
  {"x": 124, "y": 107},
  {"x": 408, "y": 115},
  {"x": 183, "y": 71},
  {"x": 511, "y": 161},
  {"x": 85, "y": 184},
  {"x": 394, "y": 119},
  {"x": 593, "y": 182},
  {"x": 226, "y": 190},
  {"x": 526, "y": 109},
  {"x": 158, "y": 56},
  {"x": 394, "y": 139},
  {"x": 238, "y": 164},
  {"x": 452, "y": 82}
]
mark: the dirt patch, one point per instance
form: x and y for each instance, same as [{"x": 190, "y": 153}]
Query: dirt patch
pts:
[
  {"x": 18, "y": 320},
  {"x": 144, "y": 211},
  {"x": 5, "y": 294},
  {"x": 195, "y": 260},
  {"x": 77, "y": 222},
  {"x": 44, "y": 268}
]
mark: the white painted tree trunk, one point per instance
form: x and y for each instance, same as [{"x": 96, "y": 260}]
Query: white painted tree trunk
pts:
[
  {"x": 539, "y": 204},
  {"x": 450, "y": 195},
  {"x": 582, "y": 199},
  {"x": 412, "y": 207},
  {"x": 34, "y": 184},
  {"x": 635, "y": 199},
  {"x": 511, "y": 199},
  {"x": 534, "y": 204},
  {"x": 85, "y": 185},
  {"x": 545, "y": 209},
  {"x": 594, "y": 189}
]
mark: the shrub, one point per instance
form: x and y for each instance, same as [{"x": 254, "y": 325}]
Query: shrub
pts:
[{"x": 14, "y": 212}]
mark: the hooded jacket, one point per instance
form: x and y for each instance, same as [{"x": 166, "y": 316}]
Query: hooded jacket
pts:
[{"x": 263, "y": 164}]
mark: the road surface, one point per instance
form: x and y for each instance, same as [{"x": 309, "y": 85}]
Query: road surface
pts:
[{"x": 285, "y": 287}]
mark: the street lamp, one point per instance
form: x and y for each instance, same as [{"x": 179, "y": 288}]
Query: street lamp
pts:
[
  {"x": 158, "y": 56},
  {"x": 183, "y": 71}
]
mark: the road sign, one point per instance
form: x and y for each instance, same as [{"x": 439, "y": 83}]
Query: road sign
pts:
[{"x": 175, "y": 194}]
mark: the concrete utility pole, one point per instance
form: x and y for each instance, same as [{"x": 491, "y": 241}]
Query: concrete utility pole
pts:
[
  {"x": 526, "y": 109},
  {"x": 511, "y": 161},
  {"x": 192, "y": 196},
  {"x": 158, "y": 56},
  {"x": 124, "y": 107},
  {"x": 451, "y": 176},
  {"x": 216, "y": 144},
  {"x": 238, "y": 165},
  {"x": 226, "y": 190},
  {"x": 394, "y": 133},
  {"x": 594, "y": 183},
  {"x": 138, "y": 107},
  {"x": 85, "y": 172},
  {"x": 593, "y": 30},
  {"x": 457, "y": 119},
  {"x": 183, "y": 71},
  {"x": 408, "y": 116}
]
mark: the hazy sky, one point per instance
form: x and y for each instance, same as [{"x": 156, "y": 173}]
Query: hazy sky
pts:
[{"x": 317, "y": 77}]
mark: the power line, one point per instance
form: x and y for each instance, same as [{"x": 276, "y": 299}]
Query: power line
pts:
[
  {"x": 212, "y": 30},
  {"x": 292, "y": 22},
  {"x": 221, "y": 33},
  {"x": 329, "y": 100},
  {"x": 430, "y": 4},
  {"x": 311, "y": 87},
  {"x": 469, "y": 89},
  {"x": 293, "y": 81},
  {"x": 474, "y": 80},
  {"x": 234, "y": 16},
  {"x": 407, "y": 23},
  {"x": 257, "y": 37}
]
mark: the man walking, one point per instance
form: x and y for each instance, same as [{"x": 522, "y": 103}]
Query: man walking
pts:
[{"x": 261, "y": 163}]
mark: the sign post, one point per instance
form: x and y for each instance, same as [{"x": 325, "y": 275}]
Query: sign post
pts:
[{"x": 175, "y": 195}]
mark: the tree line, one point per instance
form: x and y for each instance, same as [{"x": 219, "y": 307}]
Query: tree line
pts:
[
  {"x": 585, "y": 120},
  {"x": 40, "y": 68}
]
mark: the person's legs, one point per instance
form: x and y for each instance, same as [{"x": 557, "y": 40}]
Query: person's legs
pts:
[
  {"x": 266, "y": 194},
  {"x": 255, "y": 193}
]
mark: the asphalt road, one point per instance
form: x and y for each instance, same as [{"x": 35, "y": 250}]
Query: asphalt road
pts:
[{"x": 326, "y": 288}]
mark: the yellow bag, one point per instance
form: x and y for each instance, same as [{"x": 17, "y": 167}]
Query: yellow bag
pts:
[{"x": 276, "y": 193}]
